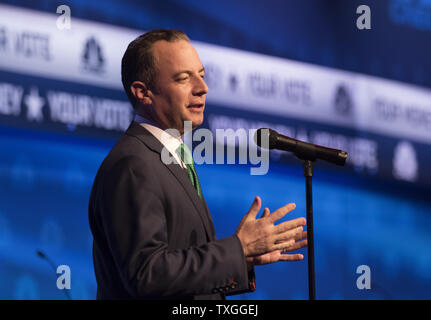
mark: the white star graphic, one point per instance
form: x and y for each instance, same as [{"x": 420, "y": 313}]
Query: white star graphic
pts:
[{"x": 34, "y": 104}]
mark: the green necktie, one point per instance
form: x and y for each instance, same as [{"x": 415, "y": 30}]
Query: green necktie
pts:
[{"x": 186, "y": 156}]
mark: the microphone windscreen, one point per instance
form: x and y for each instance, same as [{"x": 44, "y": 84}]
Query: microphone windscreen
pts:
[{"x": 264, "y": 134}]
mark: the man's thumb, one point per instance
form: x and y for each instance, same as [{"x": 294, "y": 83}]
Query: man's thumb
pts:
[{"x": 254, "y": 209}]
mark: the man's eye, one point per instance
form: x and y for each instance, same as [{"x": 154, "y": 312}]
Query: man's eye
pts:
[
  {"x": 202, "y": 76},
  {"x": 182, "y": 79}
]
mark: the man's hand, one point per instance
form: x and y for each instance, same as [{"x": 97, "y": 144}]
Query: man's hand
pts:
[
  {"x": 263, "y": 242},
  {"x": 278, "y": 255}
]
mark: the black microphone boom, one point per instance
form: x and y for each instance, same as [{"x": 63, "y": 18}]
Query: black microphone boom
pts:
[{"x": 268, "y": 138}]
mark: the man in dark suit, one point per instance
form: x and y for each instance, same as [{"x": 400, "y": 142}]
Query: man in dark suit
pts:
[{"x": 153, "y": 233}]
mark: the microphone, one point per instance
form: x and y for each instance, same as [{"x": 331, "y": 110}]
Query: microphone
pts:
[{"x": 270, "y": 139}]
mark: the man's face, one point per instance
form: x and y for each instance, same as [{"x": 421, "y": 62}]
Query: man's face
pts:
[{"x": 180, "y": 87}]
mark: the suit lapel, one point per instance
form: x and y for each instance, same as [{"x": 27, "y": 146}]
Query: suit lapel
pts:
[
  {"x": 184, "y": 180},
  {"x": 180, "y": 174}
]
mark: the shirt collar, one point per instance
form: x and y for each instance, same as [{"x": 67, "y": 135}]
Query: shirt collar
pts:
[{"x": 170, "y": 142}]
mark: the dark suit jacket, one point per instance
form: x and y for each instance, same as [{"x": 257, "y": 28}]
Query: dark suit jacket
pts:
[{"x": 153, "y": 236}]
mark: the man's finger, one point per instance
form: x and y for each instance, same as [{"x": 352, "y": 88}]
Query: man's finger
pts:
[
  {"x": 301, "y": 236},
  {"x": 283, "y": 245},
  {"x": 291, "y": 224},
  {"x": 265, "y": 213},
  {"x": 297, "y": 245},
  {"x": 281, "y": 212},
  {"x": 254, "y": 209},
  {"x": 291, "y": 257},
  {"x": 291, "y": 234}
]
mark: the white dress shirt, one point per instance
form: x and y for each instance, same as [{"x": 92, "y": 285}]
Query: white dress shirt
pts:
[{"x": 170, "y": 142}]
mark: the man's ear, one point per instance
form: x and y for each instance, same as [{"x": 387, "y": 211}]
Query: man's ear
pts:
[{"x": 141, "y": 92}]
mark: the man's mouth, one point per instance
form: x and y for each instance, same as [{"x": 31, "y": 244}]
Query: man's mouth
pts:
[{"x": 196, "y": 106}]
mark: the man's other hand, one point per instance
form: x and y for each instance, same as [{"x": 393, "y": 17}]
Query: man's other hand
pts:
[{"x": 263, "y": 242}]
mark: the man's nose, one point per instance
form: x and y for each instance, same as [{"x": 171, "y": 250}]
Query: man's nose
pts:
[{"x": 200, "y": 87}]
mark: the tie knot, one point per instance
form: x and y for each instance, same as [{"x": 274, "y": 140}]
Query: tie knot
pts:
[{"x": 185, "y": 154}]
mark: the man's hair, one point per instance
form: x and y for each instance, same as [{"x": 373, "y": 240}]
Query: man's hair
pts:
[{"x": 138, "y": 61}]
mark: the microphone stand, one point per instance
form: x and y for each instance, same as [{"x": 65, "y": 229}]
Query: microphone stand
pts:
[
  {"x": 308, "y": 174},
  {"x": 307, "y": 153}
]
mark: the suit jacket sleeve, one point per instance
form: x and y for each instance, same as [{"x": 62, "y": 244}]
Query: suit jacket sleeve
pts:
[{"x": 134, "y": 223}]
